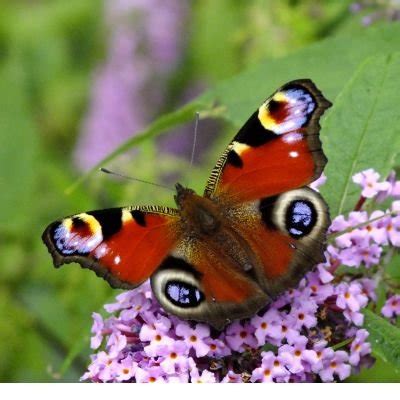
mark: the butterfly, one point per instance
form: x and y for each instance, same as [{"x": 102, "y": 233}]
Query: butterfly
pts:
[{"x": 255, "y": 232}]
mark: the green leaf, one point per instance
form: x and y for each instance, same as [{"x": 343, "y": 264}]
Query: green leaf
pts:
[
  {"x": 362, "y": 130},
  {"x": 392, "y": 269},
  {"x": 384, "y": 338}
]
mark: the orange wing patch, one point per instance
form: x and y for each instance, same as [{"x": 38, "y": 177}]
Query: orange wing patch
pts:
[
  {"x": 275, "y": 249},
  {"x": 133, "y": 253},
  {"x": 289, "y": 164},
  {"x": 224, "y": 287}
]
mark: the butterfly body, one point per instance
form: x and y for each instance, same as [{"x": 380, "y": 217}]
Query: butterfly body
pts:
[{"x": 224, "y": 255}]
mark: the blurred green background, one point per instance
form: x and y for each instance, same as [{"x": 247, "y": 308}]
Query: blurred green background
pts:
[{"x": 57, "y": 104}]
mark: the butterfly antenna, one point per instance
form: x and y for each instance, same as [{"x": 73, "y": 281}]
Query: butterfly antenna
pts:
[
  {"x": 194, "y": 138},
  {"x": 107, "y": 171}
]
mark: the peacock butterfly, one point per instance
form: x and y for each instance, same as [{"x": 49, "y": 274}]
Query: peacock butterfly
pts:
[{"x": 254, "y": 233}]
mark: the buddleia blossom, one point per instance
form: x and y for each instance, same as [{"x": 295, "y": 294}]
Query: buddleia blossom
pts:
[
  {"x": 311, "y": 333},
  {"x": 145, "y": 41},
  {"x": 392, "y": 307},
  {"x": 375, "y": 10}
]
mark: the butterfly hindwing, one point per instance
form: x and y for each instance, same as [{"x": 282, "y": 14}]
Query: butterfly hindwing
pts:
[
  {"x": 287, "y": 232},
  {"x": 196, "y": 282},
  {"x": 122, "y": 245},
  {"x": 278, "y": 148}
]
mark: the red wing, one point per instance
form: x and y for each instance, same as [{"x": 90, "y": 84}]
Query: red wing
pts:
[
  {"x": 278, "y": 149},
  {"x": 122, "y": 245}
]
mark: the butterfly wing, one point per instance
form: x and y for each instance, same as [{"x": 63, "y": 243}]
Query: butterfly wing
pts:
[
  {"x": 287, "y": 233},
  {"x": 122, "y": 245},
  {"x": 278, "y": 148}
]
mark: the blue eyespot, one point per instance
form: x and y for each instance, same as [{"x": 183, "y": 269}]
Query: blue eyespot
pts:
[
  {"x": 183, "y": 294},
  {"x": 301, "y": 218}
]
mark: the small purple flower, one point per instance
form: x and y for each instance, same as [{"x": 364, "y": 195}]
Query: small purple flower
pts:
[
  {"x": 393, "y": 191},
  {"x": 297, "y": 357},
  {"x": 393, "y": 231},
  {"x": 355, "y": 317},
  {"x": 272, "y": 367},
  {"x": 232, "y": 377},
  {"x": 175, "y": 356},
  {"x": 339, "y": 224},
  {"x": 266, "y": 326},
  {"x": 194, "y": 338},
  {"x": 126, "y": 369},
  {"x": 336, "y": 366},
  {"x": 157, "y": 334},
  {"x": 204, "y": 377},
  {"x": 107, "y": 367},
  {"x": 368, "y": 180},
  {"x": 351, "y": 297},
  {"x": 286, "y": 329},
  {"x": 303, "y": 313},
  {"x": 392, "y": 307},
  {"x": 153, "y": 374},
  {"x": 217, "y": 348},
  {"x": 97, "y": 329},
  {"x": 368, "y": 288},
  {"x": 116, "y": 343},
  {"x": 359, "y": 347},
  {"x": 322, "y": 353},
  {"x": 378, "y": 229},
  {"x": 239, "y": 336}
]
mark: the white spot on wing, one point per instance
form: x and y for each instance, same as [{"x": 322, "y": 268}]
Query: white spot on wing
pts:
[
  {"x": 292, "y": 137},
  {"x": 101, "y": 250}
]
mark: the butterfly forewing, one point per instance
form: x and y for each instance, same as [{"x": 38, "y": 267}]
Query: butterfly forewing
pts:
[
  {"x": 123, "y": 245},
  {"x": 278, "y": 148}
]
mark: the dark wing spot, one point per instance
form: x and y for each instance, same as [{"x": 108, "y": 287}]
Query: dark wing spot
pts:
[
  {"x": 183, "y": 294},
  {"x": 266, "y": 208},
  {"x": 301, "y": 217},
  {"x": 110, "y": 221},
  {"x": 253, "y": 133},
  {"x": 278, "y": 110},
  {"x": 234, "y": 159},
  {"x": 172, "y": 262},
  {"x": 78, "y": 223},
  {"x": 139, "y": 217},
  {"x": 80, "y": 227}
]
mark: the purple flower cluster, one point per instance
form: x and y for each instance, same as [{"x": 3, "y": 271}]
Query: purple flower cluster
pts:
[
  {"x": 145, "y": 42},
  {"x": 378, "y": 10},
  {"x": 311, "y": 333}
]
